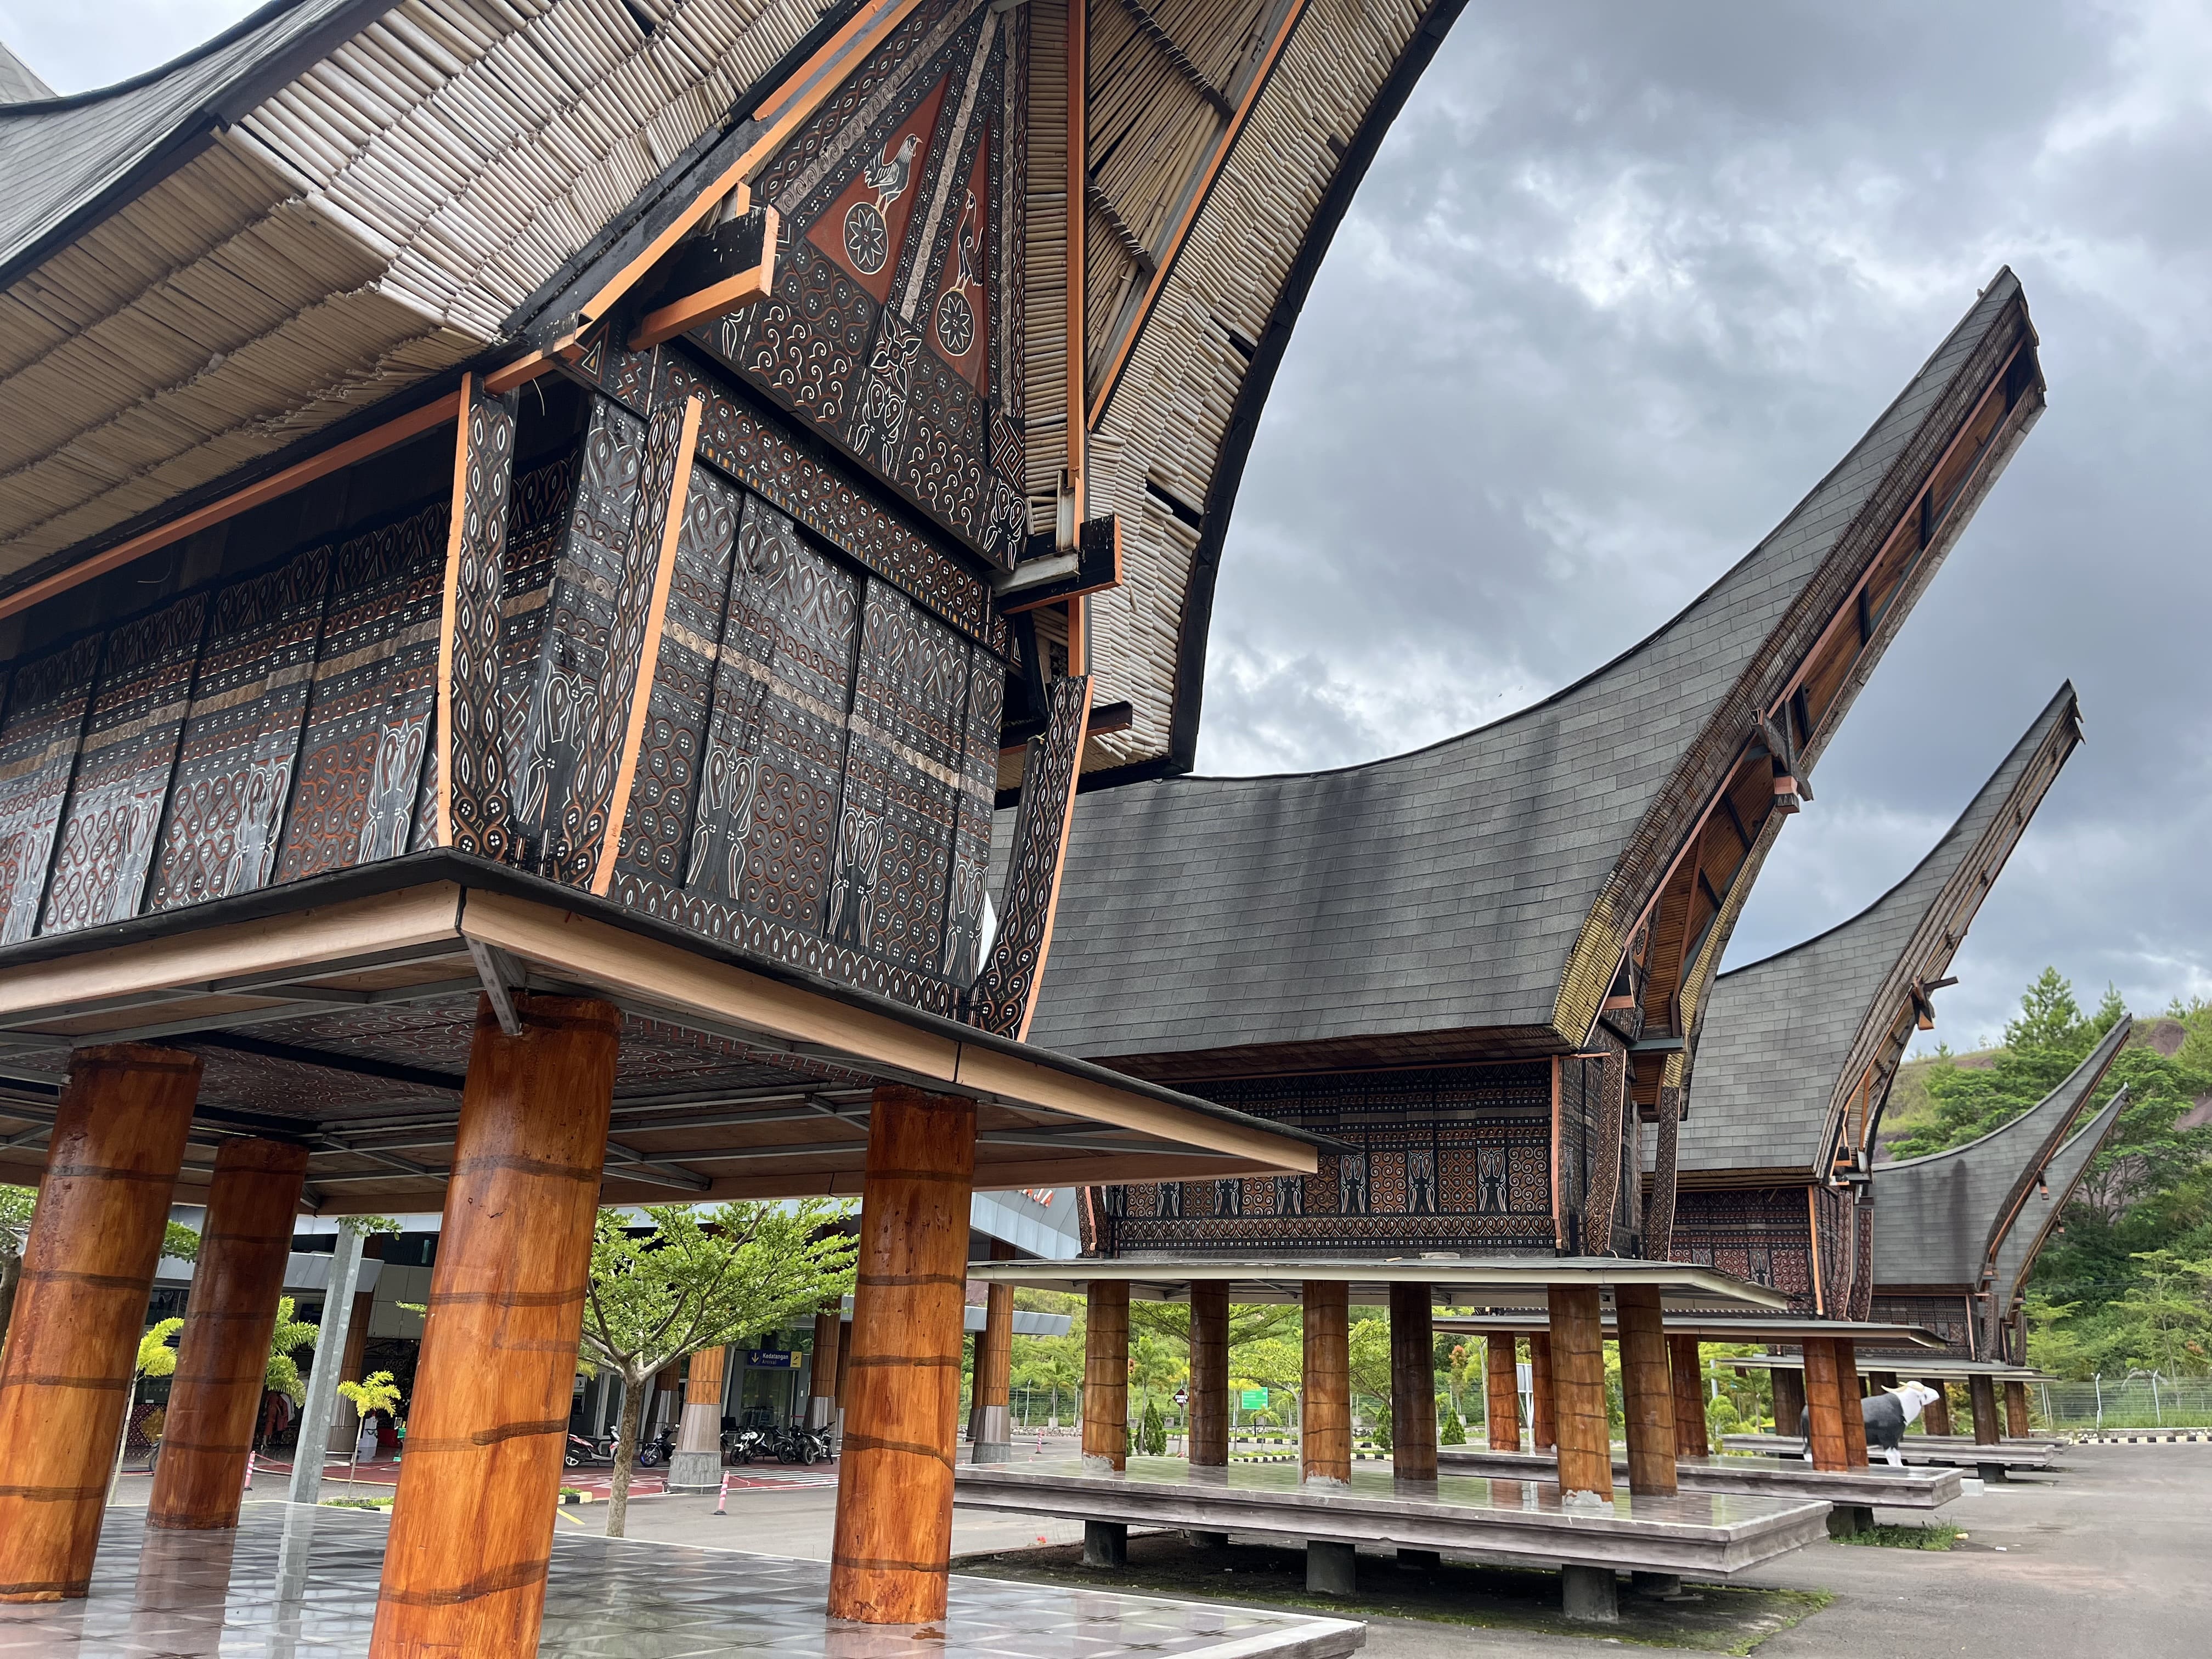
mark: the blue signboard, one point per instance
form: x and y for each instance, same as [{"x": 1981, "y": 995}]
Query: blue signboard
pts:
[{"x": 771, "y": 1359}]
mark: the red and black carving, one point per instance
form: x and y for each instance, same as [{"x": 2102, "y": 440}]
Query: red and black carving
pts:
[
  {"x": 47, "y": 700},
  {"x": 1764, "y": 1233},
  {"x": 473, "y": 778}
]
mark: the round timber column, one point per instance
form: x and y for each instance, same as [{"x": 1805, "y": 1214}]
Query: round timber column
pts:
[
  {"x": 696, "y": 1465},
  {"x": 1825, "y": 1407},
  {"x": 1543, "y": 1417},
  {"x": 88, "y": 1268},
  {"x": 2016, "y": 1423},
  {"x": 1501, "y": 1393},
  {"x": 894, "y": 1538},
  {"x": 223, "y": 1356},
  {"x": 465, "y": 1564},
  {"x": 829, "y": 1364},
  {"x": 1209, "y": 1375},
  {"x": 1849, "y": 1403},
  {"x": 1647, "y": 1389},
  {"x": 1325, "y": 1410},
  {"x": 1584, "y": 1425},
  {"x": 1106, "y": 1376},
  {"x": 1789, "y": 1389},
  {"x": 1686, "y": 1365},
  {"x": 1413, "y": 1383},
  {"x": 1935, "y": 1415},
  {"x": 993, "y": 1428},
  {"x": 1981, "y": 1399}
]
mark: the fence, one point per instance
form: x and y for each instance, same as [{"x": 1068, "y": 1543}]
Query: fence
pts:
[{"x": 2141, "y": 1400}]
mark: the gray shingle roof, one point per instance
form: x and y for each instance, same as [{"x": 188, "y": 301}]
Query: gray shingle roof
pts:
[
  {"x": 2024, "y": 1242},
  {"x": 1786, "y": 1038},
  {"x": 58, "y": 157},
  {"x": 1943, "y": 1219},
  {"x": 1442, "y": 890},
  {"x": 18, "y": 82}
]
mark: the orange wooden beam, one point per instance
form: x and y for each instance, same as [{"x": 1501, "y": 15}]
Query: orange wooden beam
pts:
[{"x": 747, "y": 287}]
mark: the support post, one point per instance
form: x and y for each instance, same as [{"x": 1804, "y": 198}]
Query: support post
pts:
[
  {"x": 1935, "y": 1415},
  {"x": 1685, "y": 1364},
  {"x": 1850, "y": 1405},
  {"x": 118, "y": 1138},
  {"x": 1647, "y": 1390},
  {"x": 1981, "y": 1400},
  {"x": 1209, "y": 1375},
  {"x": 2016, "y": 1423},
  {"x": 893, "y": 1537},
  {"x": 1543, "y": 1419},
  {"x": 1578, "y": 1345},
  {"x": 1824, "y": 1407},
  {"x": 339, "y": 1319},
  {"x": 993, "y": 1430},
  {"x": 1413, "y": 1383},
  {"x": 1325, "y": 1450},
  {"x": 223, "y": 1356},
  {"x": 696, "y": 1465},
  {"x": 465, "y": 1564},
  {"x": 1589, "y": 1596},
  {"x": 829, "y": 1364},
  {"x": 1106, "y": 1377},
  {"x": 1788, "y": 1388},
  {"x": 1501, "y": 1394}
]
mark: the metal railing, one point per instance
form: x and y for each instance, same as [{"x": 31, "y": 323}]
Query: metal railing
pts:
[{"x": 2141, "y": 1400}]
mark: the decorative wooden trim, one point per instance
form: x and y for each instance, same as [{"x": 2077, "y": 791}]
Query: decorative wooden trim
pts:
[
  {"x": 1813, "y": 1232},
  {"x": 1559, "y": 1209},
  {"x": 747, "y": 287},
  {"x": 680, "y": 489},
  {"x": 1079, "y": 30},
  {"x": 396, "y": 431},
  {"x": 1004, "y": 997},
  {"x": 472, "y": 807},
  {"x": 523, "y": 370}
]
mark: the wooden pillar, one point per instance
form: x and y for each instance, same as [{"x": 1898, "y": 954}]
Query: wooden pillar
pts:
[
  {"x": 1647, "y": 1389},
  {"x": 1935, "y": 1415},
  {"x": 1789, "y": 1387},
  {"x": 1543, "y": 1419},
  {"x": 223, "y": 1355},
  {"x": 1106, "y": 1377},
  {"x": 464, "y": 1565},
  {"x": 894, "y": 1538},
  {"x": 1501, "y": 1384},
  {"x": 2016, "y": 1423},
  {"x": 1686, "y": 1365},
  {"x": 844, "y": 1358},
  {"x": 1413, "y": 1383},
  {"x": 1849, "y": 1406},
  {"x": 118, "y": 1137},
  {"x": 1325, "y": 1458},
  {"x": 1824, "y": 1405},
  {"x": 829, "y": 1365},
  {"x": 1209, "y": 1375},
  {"x": 1579, "y": 1414},
  {"x": 1981, "y": 1399},
  {"x": 993, "y": 1430},
  {"x": 696, "y": 1465}
]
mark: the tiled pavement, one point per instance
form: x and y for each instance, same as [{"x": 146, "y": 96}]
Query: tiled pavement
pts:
[{"x": 293, "y": 1584}]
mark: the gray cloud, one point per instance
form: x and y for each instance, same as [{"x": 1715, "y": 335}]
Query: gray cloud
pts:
[{"x": 1623, "y": 282}]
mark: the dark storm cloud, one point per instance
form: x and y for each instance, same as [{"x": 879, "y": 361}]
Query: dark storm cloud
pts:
[{"x": 1626, "y": 281}]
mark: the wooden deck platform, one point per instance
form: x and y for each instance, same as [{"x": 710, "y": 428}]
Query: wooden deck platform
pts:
[
  {"x": 1923, "y": 1488},
  {"x": 1992, "y": 1462}
]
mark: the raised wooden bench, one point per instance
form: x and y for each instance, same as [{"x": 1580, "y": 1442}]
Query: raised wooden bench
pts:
[
  {"x": 1991, "y": 1462},
  {"x": 1855, "y": 1494},
  {"x": 1521, "y": 1522}
]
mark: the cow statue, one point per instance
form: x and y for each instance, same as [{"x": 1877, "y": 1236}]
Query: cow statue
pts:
[{"x": 1885, "y": 1414}]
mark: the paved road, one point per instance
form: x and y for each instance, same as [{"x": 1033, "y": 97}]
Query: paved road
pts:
[{"x": 2114, "y": 1557}]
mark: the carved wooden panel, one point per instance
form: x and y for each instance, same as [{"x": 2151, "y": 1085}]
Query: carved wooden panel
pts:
[
  {"x": 1005, "y": 994},
  {"x": 1763, "y": 1234},
  {"x": 47, "y": 700},
  {"x": 365, "y": 755},
  {"x": 971, "y": 838},
  {"x": 473, "y": 793},
  {"x": 113, "y": 822}
]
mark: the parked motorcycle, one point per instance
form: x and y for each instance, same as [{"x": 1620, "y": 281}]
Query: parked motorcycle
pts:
[
  {"x": 743, "y": 1445},
  {"x": 655, "y": 1452},
  {"x": 797, "y": 1444}
]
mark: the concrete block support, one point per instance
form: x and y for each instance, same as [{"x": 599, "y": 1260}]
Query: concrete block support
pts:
[
  {"x": 894, "y": 1534},
  {"x": 222, "y": 1354},
  {"x": 1332, "y": 1568},
  {"x": 1106, "y": 1544},
  {"x": 464, "y": 1566},
  {"x": 118, "y": 1137},
  {"x": 1590, "y": 1596}
]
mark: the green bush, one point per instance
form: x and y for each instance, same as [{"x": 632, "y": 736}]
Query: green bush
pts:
[
  {"x": 1152, "y": 1433},
  {"x": 1382, "y": 1431},
  {"x": 1452, "y": 1432}
]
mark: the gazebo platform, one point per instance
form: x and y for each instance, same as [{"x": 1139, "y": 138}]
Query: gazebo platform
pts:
[{"x": 1750, "y": 1477}]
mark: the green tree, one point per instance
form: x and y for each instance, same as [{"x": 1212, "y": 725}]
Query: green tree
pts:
[
  {"x": 377, "y": 1392},
  {"x": 1151, "y": 1432},
  {"x": 288, "y": 1337},
  {"x": 700, "y": 1278},
  {"x": 155, "y": 1358}
]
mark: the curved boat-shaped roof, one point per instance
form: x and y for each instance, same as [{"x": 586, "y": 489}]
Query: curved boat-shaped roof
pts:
[
  {"x": 337, "y": 201},
  {"x": 19, "y": 82},
  {"x": 1493, "y": 883},
  {"x": 1942, "y": 1221},
  {"x": 2057, "y": 1179},
  {"x": 1794, "y": 1044}
]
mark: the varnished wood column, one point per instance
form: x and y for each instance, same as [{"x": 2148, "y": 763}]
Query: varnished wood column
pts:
[
  {"x": 1501, "y": 1394},
  {"x": 1325, "y": 1458},
  {"x": 828, "y": 1365},
  {"x": 88, "y": 1268},
  {"x": 464, "y": 1566},
  {"x": 1209, "y": 1375},
  {"x": 1413, "y": 1383},
  {"x": 1854, "y": 1416},
  {"x": 992, "y": 1431},
  {"x": 1106, "y": 1376},
  {"x": 2016, "y": 1421},
  {"x": 223, "y": 1356},
  {"x": 1543, "y": 1418},
  {"x": 1686, "y": 1365},
  {"x": 1789, "y": 1389},
  {"x": 1935, "y": 1415},
  {"x": 1981, "y": 1400},
  {"x": 1647, "y": 1389},
  {"x": 894, "y": 1538},
  {"x": 1824, "y": 1407},
  {"x": 696, "y": 1465},
  {"x": 1582, "y": 1423}
]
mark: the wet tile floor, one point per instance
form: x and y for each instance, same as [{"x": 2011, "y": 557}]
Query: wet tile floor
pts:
[{"x": 294, "y": 1583}]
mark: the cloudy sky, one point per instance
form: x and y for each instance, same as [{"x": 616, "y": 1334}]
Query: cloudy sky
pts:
[{"x": 1626, "y": 281}]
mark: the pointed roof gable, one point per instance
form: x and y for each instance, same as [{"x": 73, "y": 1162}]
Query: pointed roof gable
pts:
[
  {"x": 2032, "y": 1227},
  {"x": 1943, "y": 1219},
  {"x": 1788, "y": 1042},
  {"x": 19, "y": 82},
  {"x": 1492, "y": 883}
]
